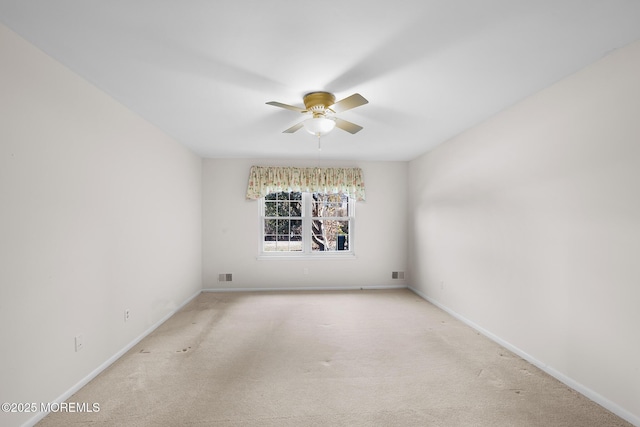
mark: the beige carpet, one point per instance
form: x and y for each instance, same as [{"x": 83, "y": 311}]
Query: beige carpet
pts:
[{"x": 354, "y": 358}]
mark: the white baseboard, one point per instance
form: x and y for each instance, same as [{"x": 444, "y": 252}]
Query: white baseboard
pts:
[
  {"x": 66, "y": 395},
  {"x": 580, "y": 388},
  {"x": 305, "y": 288}
]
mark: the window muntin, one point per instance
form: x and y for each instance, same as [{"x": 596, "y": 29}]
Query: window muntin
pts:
[{"x": 295, "y": 223}]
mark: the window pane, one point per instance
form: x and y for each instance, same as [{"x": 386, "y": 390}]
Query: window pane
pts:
[
  {"x": 283, "y": 227},
  {"x": 343, "y": 242},
  {"x": 295, "y": 208},
  {"x": 319, "y": 238},
  {"x": 296, "y": 227},
  {"x": 331, "y": 209},
  {"x": 330, "y": 235},
  {"x": 270, "y": 208},
  {"x": 269, "y": 244},
  {"x": 317, "y": 245},
  {"x": 283, "y": 208},
  {"x": 270, "y": 226},
  {"x": 330, "y": 205}
]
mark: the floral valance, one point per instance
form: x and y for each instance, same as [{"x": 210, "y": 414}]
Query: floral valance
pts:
[{"x": 264, "y": 180}]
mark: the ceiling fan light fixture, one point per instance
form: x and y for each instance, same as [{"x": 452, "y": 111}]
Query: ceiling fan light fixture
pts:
[{"x": 319, "y": 126}]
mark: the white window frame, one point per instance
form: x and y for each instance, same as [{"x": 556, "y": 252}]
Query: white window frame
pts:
[{"x": 307, "y": 252}]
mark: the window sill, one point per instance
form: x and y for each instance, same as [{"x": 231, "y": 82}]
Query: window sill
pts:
[{"x": 306, "y": 257}]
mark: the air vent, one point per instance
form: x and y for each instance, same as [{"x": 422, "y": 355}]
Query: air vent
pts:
[
  {"x": 225, "y": 277},
  {"x": 397, "y": 275}
]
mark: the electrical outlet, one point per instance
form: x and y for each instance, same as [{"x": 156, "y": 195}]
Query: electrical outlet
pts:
[
  {"x": 127, "y": 314},
  {"x": 79, "y": 341}
]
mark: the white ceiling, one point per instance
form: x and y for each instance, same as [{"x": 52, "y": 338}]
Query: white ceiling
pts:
[{"x": 202, "y": 70}]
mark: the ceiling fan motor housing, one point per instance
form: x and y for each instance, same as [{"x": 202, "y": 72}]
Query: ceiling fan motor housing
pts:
[{"x": 318, "y": 102}]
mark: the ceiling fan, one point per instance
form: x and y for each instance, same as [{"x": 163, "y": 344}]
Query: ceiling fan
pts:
[{"x": 322, "y": 107}]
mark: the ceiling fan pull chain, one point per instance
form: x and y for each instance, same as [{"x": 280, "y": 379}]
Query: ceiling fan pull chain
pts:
[{"x": 319, "y": 147}]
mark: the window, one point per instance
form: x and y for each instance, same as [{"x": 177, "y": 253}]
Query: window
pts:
[{"x": 295, "y": 223}]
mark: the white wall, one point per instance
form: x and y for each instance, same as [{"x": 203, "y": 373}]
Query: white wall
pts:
[
  {"x": 231, "y": 231},
  {"x": 528, "y": 226},
  {"x": 99, "y": 211}
]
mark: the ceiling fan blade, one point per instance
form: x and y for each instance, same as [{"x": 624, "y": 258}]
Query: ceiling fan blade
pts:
[
  {"x": 348, "y": 126},
  {"x": 348, "y": 103},
  {"x": 288, "y": 107},
  {"x": 294, "y": 128}
]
